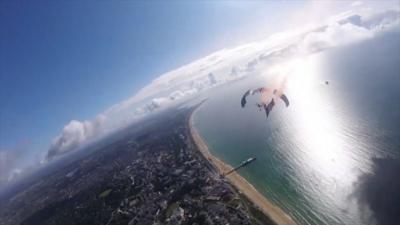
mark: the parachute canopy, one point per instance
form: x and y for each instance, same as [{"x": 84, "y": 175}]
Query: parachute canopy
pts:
[
  {"x": 267, "y": 98},
  {"x": 243, "y": 102},
  {"x": 285, "y": 99}
]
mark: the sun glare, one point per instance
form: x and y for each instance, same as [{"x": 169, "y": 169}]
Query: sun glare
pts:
[{"x": 317, "y": 126}]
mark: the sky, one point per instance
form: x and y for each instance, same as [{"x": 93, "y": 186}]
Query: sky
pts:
[
  {"x": 71, "y": 60},
  {"x": 62, "y": 62}
]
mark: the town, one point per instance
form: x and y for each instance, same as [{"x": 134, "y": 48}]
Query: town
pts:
[{"x": 155, "y": 176}]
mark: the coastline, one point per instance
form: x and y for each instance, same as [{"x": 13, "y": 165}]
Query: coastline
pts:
[{"x": 276, "y": 214}]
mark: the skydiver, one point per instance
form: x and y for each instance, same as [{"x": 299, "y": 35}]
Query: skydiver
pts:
[{"x": 264, "y": 98}]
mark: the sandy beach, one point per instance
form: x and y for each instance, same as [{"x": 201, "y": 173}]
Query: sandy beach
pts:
[{"x": 272, "y": 211}]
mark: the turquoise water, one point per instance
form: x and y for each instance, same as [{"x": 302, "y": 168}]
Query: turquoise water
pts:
[{"x": 311, "y": 155}]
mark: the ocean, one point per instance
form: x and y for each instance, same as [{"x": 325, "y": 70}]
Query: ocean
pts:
[{"x": 314, "y": 156}]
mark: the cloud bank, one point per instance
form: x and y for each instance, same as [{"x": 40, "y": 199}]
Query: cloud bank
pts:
[
  {"x": 224, "y": 66},
  {"x": 8, "y": 160}
]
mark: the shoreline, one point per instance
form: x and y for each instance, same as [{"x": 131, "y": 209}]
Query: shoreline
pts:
[{"x": 276, "y": 214}]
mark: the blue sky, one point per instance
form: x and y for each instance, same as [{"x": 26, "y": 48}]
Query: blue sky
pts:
[{"x": 70, "y": 60}]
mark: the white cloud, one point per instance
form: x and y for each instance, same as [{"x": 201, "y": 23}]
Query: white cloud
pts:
[
  {"x": 158, "y": 102},
  {"x": 8, "y": 161},
  {"x": 334, "y": 35},
  {"x": 75, "y": 133},
  {"x": 225, "y": 65},
  {"x": 357, "y": 3},
  {"x": 14, "y": 173}
]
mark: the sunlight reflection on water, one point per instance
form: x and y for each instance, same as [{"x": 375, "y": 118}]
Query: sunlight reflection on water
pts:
[{"x": 310, "y": 155}]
